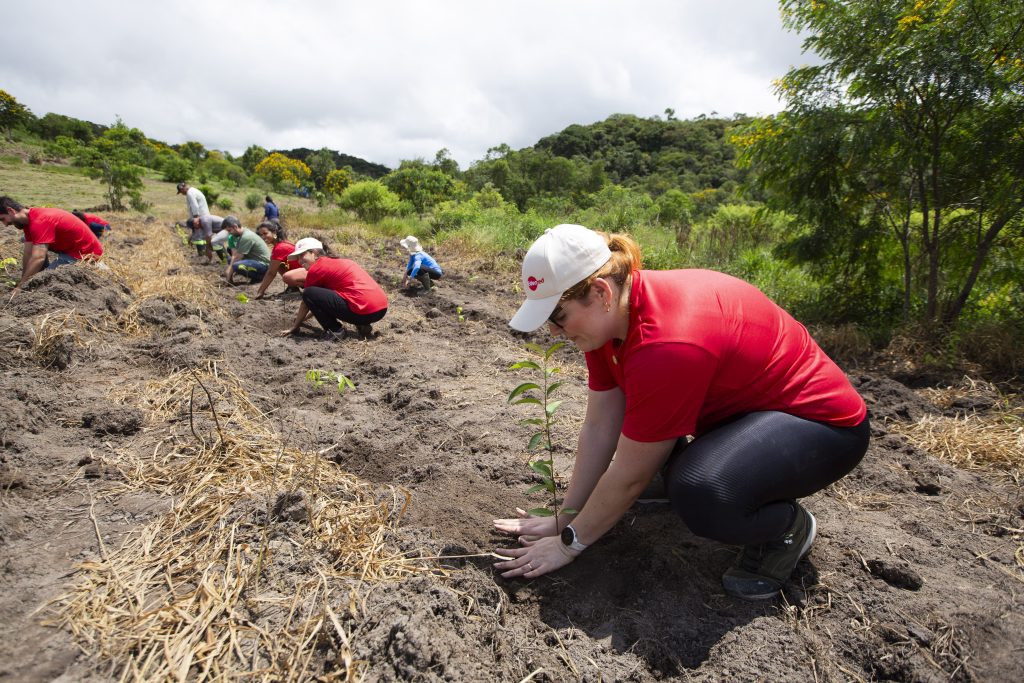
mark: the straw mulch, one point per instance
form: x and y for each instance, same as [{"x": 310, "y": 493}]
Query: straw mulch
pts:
[
  {"x": 202, "y": 592},
  {"x": 258, "y": 569}
]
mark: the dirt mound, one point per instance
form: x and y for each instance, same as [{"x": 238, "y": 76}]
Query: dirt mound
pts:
[{"x": 916, "y": 575}]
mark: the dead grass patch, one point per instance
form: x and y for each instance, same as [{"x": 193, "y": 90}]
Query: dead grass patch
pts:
[{"x": 260, "y": 565}]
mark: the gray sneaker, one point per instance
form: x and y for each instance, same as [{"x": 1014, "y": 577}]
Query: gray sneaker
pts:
[{"x": 760, "y": 570}]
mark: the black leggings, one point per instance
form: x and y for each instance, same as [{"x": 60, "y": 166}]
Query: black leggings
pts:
[
  {"x": 737, "y": 483},
  {"x": 330, "y": 309}
]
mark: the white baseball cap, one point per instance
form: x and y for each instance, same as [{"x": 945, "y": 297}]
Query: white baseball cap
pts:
[
  {"x": 304, "y": 245},
  {"x": 563, "y": 256}
]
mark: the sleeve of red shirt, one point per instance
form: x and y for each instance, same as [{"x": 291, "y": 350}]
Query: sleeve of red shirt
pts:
[{"x": 665, "y": 388}]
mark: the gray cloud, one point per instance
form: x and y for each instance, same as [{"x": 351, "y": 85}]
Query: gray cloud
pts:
[{"x": 393, "y": 79}]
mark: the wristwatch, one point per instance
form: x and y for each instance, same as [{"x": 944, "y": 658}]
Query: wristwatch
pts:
[{"x": 569, "y": 539}]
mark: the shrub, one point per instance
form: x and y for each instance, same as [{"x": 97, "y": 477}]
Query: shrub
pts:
[
  {"x": 176, "y": 169},
  {"x": 224, "y": 203},
  {"x": 370, "y": 200},
  {"x": 211, "y": 194},
  {"x": 253, "y": 201}
]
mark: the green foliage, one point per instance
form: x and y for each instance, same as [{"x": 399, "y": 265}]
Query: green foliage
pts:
[
  {"x": 224, "y": 203},
  {"x": 420, "y": 185},
  {"x": 242, "y": 298},
  {"x": 210, "y": 193},
  {"x": 907, "y": 131},
  {"x": 319, "y": 378},
  {"x": 252, "y": 156},
  {"x": 539, "y": 393},
  {"x": 52, "y": 126},
  {"x": 9, "y": 271},
  {"x": 321, "y": 164},
  {"x": 371, "y": 200},
  {"x": 253, "y": 201},
  {"x": 12, "y": 113},
  {"x": 176, "y": 169}
]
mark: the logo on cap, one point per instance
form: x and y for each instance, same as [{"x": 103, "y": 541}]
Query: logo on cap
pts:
[{"x": 532, "y": 283}]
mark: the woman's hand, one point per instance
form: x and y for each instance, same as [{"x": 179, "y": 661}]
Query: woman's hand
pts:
[
  {"x": 530, "y": 528},
  {"x": 535, "y": 558},
  {"x": 290, "y": 331}
]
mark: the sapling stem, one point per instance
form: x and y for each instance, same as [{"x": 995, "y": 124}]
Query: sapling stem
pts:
[{"x": 539, "y": 393}]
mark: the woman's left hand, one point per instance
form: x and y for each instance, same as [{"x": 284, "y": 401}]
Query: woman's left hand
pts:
[{"x": 535, "y": 558}]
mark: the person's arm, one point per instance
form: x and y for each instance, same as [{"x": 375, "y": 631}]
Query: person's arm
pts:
[
  {"x": 635, "y": 464},
  {"x": 32, "y": 261},
  {"x": 268, "y": 277},
  {"x": 231, "y": 264},
  {"x": 300, "y": 317},
  {"x": 594, "y": 450}
]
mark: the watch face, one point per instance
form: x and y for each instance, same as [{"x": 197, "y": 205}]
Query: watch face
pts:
[{"x": 568, "y": 535}]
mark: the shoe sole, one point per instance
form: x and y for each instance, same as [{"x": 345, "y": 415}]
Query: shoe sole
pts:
[{"x": 806, "y": 548}]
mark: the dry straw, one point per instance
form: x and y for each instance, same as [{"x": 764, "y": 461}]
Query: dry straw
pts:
[{"x": 258, "y": 569}]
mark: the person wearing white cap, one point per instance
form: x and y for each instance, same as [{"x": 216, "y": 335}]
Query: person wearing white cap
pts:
[
  {"x": 678, "y": 354},
  {"x": 421, "y": 265},
  {"x": 336, "y": 291}
]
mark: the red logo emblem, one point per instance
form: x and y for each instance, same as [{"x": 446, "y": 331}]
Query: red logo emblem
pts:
[{"x": 532, "y": 283}]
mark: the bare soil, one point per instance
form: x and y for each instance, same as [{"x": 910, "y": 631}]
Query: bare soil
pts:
[{"x": 916, "y": 574}]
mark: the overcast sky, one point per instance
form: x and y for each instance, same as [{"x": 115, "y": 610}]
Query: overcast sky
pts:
[{"x": 388, "y": 80}]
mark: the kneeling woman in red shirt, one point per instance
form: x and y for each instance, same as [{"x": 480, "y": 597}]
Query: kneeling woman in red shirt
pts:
[
  {"x": 677, "y": 354},
  {"x": 337, "y": 290},
  {"x": 293, "y": 274}
]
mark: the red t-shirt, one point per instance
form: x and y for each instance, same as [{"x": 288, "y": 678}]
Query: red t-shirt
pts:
[
  {"x": 280, "y": 253},
  {"x": 62, "y": 232},
  {"x": 350, "y": 281},
  {"x": 703, "y": 346},
  {"x": 89, "y": 218}
]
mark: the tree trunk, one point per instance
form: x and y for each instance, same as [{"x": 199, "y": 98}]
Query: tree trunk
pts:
[{"x": 980, "y": 256}]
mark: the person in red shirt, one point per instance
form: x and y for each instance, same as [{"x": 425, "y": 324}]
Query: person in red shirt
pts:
[
  {"x": 98, "y": 226},
  {"x": 291, "y": 272},
  {"x": 699, "y": 376},
  {"x": 336, "y": 291},
  {"x": 46, "y": 231}
]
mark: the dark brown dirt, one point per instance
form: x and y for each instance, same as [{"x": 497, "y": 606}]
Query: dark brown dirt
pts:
[{"x": 913, "y": 576}]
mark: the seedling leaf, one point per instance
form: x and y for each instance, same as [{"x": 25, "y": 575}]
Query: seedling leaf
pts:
[
  {"x": 535, "y": 488},
  {"x": 525, "y": 386},
  {"x": 551, "y": 407},
  {"x": 524, "y": 364},
  {"x": 541, "y": 467},
  {"x": 535, "y": 441},
  {"x": 552, "y": 388},
  {"x": 541, "y": 512},
  {"x": 528, "y": 399},
  {"x": 552, "y": 350}
]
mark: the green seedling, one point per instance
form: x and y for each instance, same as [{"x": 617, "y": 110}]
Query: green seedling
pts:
[
  {"x": 242, "y": 298},
  {"x": 458, "y": 312},
  {"x": 539, "y": 394},
  {"x": 5, "y": 272},
  {"x": 318, "y": 378}
]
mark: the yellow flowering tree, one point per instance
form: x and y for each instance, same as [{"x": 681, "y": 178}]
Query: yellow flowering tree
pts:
[{"x": 283, "y": 172}]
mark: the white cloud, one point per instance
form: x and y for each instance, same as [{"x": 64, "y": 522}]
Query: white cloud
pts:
[{"x": 392, "y": 79}]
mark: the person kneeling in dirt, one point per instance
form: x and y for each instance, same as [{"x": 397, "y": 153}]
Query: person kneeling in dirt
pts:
[
  {"x": 250, "y": 256},
  {"x": 203, "y": 229},
  {"x": 98, "y": 226},
  {"x": 291, "y": 272},
  {"x": 337, "y": 291},
  {"x": 421, "y": 265},
  {"x": 679, "y": 353},
  {"x": 49, "y": 231}
]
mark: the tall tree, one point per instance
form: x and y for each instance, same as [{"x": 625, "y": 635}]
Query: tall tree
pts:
[{"x": 914, "y": 119}]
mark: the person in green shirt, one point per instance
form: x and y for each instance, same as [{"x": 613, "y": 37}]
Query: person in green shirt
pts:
[{"x": 251, "y": 255}]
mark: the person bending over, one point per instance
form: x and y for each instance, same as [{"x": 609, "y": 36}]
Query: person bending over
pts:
[
  {"x": 203, "y": 229},
  {"x": 421, "y": 265},
  {"x": 679, "y": 353},
  {"x": 274, "y": 235},
  {"x": 48, "y": 231},
  {"x": 337, "y": 291},
  {"x": 98, "y": 226}
]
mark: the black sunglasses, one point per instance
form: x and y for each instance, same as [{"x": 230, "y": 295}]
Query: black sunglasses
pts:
[{"x": 557, "y": 313}]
